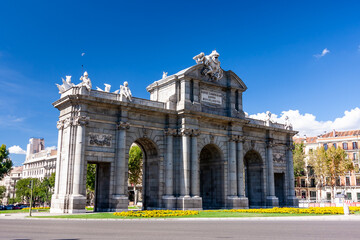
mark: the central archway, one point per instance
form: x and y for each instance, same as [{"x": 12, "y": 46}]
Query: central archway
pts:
[
  {"x": 254, "y": 178},
  {"x": 211, "y": 177},
  {"x": 150, "y": 177}
]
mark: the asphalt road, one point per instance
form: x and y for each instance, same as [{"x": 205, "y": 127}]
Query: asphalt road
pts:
[{"x": 164, "y": 229}]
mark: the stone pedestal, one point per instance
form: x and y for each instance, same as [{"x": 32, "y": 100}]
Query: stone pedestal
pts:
[
  {"x": 292, "y": 201},
  {"x": 189, "y": 203},
  {"x": 77, "y": 204},
  {"x": 237, "y": 202},
  {"x": 272, "y": 201},
  {"x": 58, "y": 204},
  {"x": 119, "y": 203},
  {"x": 169, "y": 202}
]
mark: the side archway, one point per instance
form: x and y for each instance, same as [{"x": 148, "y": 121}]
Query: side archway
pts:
[
  {"x": 150, "y": 178},
  {"x": 212, "y": 177},
  {"x": 254, "y": 178}
]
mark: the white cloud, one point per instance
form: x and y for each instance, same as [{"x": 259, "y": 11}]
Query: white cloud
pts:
[
  {"x": 51, "y": 148},
  {"x": 307, "y": 124},
  {"x": 82, "y": 54},
  {"x": 16, "y": 150},
  {"x": 323, "y": 53}
]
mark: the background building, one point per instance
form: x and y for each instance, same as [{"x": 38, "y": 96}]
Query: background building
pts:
[
  {"x": 9, "y": 181},
  {"x": 40, "y": 162},
  {"x": 306, "y": 186}
]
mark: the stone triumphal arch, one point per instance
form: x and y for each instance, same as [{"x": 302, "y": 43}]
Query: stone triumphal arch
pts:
[{"x": 200, "y": 150}]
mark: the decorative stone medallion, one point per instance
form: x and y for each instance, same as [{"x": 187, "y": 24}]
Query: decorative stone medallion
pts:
[{"x": 101, "y": 140}]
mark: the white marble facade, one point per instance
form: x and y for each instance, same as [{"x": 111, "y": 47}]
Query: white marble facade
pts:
[{"x": 201, "y": 152}]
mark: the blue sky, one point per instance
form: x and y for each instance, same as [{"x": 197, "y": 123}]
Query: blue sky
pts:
[{"x": 274, "y": 46}]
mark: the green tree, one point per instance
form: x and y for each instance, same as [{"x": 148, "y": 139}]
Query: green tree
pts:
[
  {"x": 23, "y": 190},
  {"x": 2, "y": 192},
  {"x": 90, "y": 183},
  {"x": 5, "y": 162},
  {"x": 135, "y": 168},
  {"x": 52, "y": 180},
  {"x": 299, "y": 159},
  {"x": 45, "y": 191},
  {"x": 331, "y": 164}
]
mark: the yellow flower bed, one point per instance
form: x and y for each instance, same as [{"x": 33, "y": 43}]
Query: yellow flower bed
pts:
[
  {"x": 156, "y": 213},
  {"x": 36, "y": 208},
  {"x": 311, "y": 210}
]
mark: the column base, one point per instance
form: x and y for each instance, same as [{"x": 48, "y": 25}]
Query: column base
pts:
[
  {"x": 68, "y": 204},
  {"x": 189, "y": 203},
  {"x": 119, "y": 203},
  {"x": 169, "y": 202},
  {"x": 292, "y": 201},
  {"x": 234, "y": 202},
  {"x": 272, "y": 201},
  {"x": 58, "y": 204}
]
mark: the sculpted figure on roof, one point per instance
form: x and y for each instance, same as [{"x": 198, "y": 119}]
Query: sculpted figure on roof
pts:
[
  {"x": 67, "y": 84},
  {"x": 86, "y": 82},
  {"x": 212, "y": 65}
]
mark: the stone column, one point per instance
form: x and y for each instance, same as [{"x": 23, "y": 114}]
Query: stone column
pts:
[
  {"x": 169, "y": 199},
  {"x": 240, "y": 169},
  {"x": 185, "y": 175},
  {"x": 80, "y": 122},
  {"x": 120, "y": 181},
  {"x": 195, "y": 165},
  {"x": 169, "y": 167},
  {"x": 60, "y": 127},
  {"x": 292, "y": 200},
  {"x": 120, "y": 198},
  {"x": 271, "y": 198},
  {"x": 232, "y": 166}
]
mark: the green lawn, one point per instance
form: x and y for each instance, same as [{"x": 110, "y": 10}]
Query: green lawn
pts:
[
  {"x": 23, "y": 211},
  {"x": 202, "y": 214}
]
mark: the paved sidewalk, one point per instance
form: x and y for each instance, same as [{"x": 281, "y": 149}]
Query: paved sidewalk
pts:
[{"x": 294, "y": 218}]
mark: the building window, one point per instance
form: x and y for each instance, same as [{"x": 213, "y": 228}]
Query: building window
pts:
[
  {"x": 347, "y": 181},
  {"x": 348, "y": 196},
  {"x": 355, "y": 145},
  {"x": 303, "y": 183},
  {"x": 310, "y": 150},
  {"x": 338, "y": 182},
  {"x": 312, "y": 182},
  {"x": 354, "y": 156},
  {"x": 345, "y": 146},
  {"x": 303, "y": 194},
  {"x": 328, "y": 196},
  {"x": 334, "y": 144},
  {"x": 312, "y": 194},
  {"x": 325, "y": 146},
  {"x": 358, "y": 196}
]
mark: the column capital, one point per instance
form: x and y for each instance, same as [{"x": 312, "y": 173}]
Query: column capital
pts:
[
  {"x": 81, "y": 121},
  {"x": 170, "y": 131},
  {"x": 196, "y": 132},
  {"x": 68, "y": 122},
  {"x": 186, "y": 131},
  {"x": 60, "y": 124},
  {"x": 123, "y": 125},
  {"x": 242, "y": 139},
  {"x": 233, "y": 138},
  {"x": 290, "y": 146},
  {"x": 270, "y": 143}
]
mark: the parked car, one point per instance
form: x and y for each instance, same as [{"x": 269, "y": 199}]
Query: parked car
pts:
[
  {"x": 16, "y": 208},
  {"x": 9, "y": 207},
  {"x": 23, "y": 206},
  {"x": 2, "y": 207}
]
